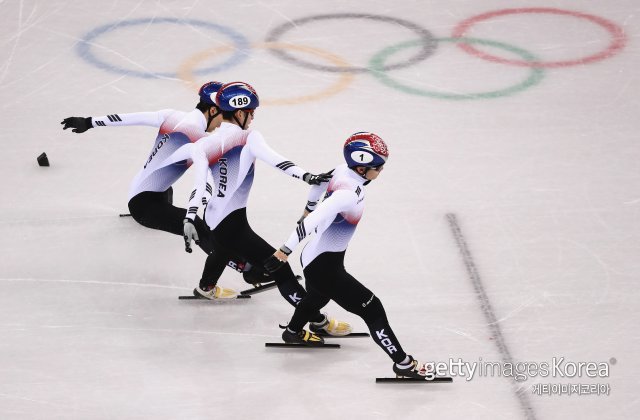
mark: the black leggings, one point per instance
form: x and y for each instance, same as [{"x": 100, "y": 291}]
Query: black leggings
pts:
[
  {"x": 239, "y": 239},
  {"x": 156, "y": 211},
  {"x": 327, "y": 279}
]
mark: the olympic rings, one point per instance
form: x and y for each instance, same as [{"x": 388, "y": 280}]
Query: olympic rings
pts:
[
  {"x": 427, "y": 39},
  {"x": 186, "y": 70},
  {"x": 377, "y": 66},
  {"x": 617, "y": 34},
  {"x": 240, "y": 46},
  {"x": 85, "y": 44}
]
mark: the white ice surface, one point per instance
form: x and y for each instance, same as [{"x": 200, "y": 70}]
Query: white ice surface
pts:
[{"x": 544, "y": 185}]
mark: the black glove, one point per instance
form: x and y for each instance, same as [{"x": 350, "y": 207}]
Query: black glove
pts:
[
  {"x": 256, "y": 275},
  {"x": 273, "y": 264},
  {"x": 312, "y": 179},
  {"x": 79, "y": 124}
]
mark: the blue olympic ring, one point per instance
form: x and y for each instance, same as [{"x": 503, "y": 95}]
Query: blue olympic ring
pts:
[{"x": 84, "y": 46}]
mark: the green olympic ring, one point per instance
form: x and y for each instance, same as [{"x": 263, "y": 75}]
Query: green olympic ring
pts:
[{"x": 376, "y": 65}]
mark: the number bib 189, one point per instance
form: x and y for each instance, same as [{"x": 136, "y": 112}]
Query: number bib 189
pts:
[{"x": 240, "y": 101}]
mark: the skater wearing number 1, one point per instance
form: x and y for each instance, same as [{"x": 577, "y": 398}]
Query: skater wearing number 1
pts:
[{"x": 334, "y": 221}]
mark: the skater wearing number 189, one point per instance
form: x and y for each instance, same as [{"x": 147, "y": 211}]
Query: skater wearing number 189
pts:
[
  {"x": 230, "y": 154},
  {"x": 150, "y": 192},
  {"x": 331, "y": 226}
]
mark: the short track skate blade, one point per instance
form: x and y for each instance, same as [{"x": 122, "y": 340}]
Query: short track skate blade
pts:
[
  {"x": 439, "y": 379},
  {"x": 353, "y": 334},
  {"x": 302, "y": 346},
  {"x": 258, "y": 289},
  {"x": 263, "y": 287},
  {"x": 212, "y": 300}
]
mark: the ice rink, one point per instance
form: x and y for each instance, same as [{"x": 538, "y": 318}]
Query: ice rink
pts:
[{"x": 504, "y": 231}]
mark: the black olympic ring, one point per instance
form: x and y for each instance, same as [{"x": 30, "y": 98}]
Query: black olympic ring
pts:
[{"x": 429, "y": 42}]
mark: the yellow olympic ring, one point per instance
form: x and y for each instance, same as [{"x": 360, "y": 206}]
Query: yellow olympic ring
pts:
[{"x": 185, "y": 71}]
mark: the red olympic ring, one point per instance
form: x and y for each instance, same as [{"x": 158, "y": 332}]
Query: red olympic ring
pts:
[{"x": 618, "y": 36}]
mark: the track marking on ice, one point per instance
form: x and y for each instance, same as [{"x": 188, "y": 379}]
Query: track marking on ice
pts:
[{"x": 487, "y": 310}]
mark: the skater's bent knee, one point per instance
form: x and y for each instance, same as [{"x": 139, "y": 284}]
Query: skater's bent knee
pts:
[{"x": 372, "y": 309}]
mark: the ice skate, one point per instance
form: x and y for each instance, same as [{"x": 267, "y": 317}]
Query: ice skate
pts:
[
  {"x": 330, "y": 327},
  {"x": 303, "y": 337},
  {"x": 215, "y": 292},
  {"x": 413, "y": 370},
  {"x": 260, "y": 283}
]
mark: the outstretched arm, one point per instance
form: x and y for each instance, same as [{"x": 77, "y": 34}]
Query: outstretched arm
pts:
[
  {"x": 82, "y": 124},
  {"x": 315, "y": 193},
  {"x": 262, "y": 151}
]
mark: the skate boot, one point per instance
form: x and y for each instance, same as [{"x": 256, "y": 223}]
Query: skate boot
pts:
[
  {"x": 413, "y": 370},
  {"x": 303, "y": 337},
  {"x": 330, "y": 326},
  {"x": 215, "y": 292}
]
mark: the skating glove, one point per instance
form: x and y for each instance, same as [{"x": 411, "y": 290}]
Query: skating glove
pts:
[
  {"x": 79, "y": 124},
  {"x": 273, "y": 264},
  {"x": 190, "y": 232},
  {"x": 312, "y": 179}
]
